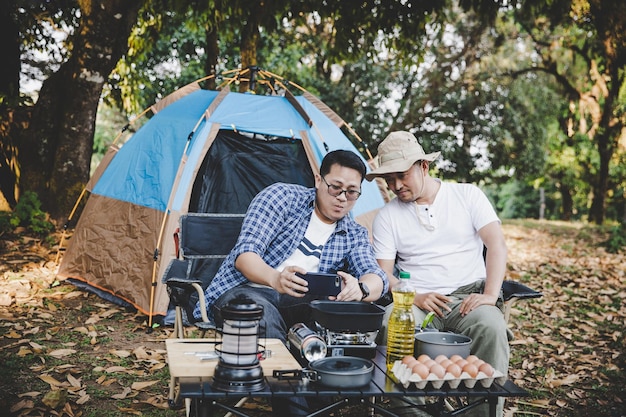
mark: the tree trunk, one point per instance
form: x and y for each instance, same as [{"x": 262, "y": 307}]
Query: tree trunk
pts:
[
  {"x": 567, "y": 203},
  {"x": 250, "y": 39},
  {"x": 211, "y": 41},
  {"x": 610, "y": 21},
  {"x": 598, "y": 203},
  {"x": 10, "y": 51},
  {"x": 9, "y": 101},
  {"x": 55, "y": 151},
  {"x": 212, "y": 54}
]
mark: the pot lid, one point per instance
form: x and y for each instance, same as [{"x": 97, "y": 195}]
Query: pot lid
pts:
[{"x": 342, "y": 365}]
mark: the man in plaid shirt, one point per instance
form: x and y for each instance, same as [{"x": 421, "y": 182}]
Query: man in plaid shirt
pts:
[{"x": 289, "y": 228}]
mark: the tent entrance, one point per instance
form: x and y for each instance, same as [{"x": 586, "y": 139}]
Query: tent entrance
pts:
[{"x": 239, "y": 165}]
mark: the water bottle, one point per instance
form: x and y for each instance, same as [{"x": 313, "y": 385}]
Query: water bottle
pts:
[{"x": 401, "y": 326}]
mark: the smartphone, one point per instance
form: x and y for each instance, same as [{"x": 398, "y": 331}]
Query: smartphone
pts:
[{"x": 322, "y": 284}]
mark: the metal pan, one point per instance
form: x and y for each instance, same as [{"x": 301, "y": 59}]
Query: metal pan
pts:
[
  {"x": 350, "y": 316},
  {"x": 334, "y": 372}
]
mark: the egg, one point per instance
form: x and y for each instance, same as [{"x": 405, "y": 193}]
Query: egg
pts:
[
  {"x": 445, "y": 362},
  {"x": 486, "y": 369},
  {"x": 437, "y": 370},
  {"x": 455, "y": 357},
  {"x": 478, "y": 363},
  {"x": 429, "y": 363},
  {"x": 408, "y": 360},
  {"x": 461, "y": 362},
  {"x": 471, "y": 370},
  {"x": 471, "y": 358},
  {"x": 421, "y": 370},
  {"x": 440, "y": 358},
  {"x": 423, "y": 358},
  {"x": 454, "y": 369}
]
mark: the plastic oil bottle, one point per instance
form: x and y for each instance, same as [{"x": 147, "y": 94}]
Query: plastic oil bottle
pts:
[{"x": 401, "y": 326}]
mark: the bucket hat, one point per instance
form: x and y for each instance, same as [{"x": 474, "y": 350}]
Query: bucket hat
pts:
[{"x": 397, "y": 153}]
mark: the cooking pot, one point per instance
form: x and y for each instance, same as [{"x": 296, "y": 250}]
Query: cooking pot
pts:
[
  {"x": 334, "y": 372},
  {"x": 434, "y": 344},
  {"x": 351, "y": 316}
]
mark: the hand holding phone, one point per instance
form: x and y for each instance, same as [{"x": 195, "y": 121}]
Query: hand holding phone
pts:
[{"x": 322, "y": 284}]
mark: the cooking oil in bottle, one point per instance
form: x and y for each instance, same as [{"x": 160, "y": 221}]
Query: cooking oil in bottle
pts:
[{"x": 401, "y": 325}]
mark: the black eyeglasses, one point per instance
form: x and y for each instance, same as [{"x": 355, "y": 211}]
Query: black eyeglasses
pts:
[{"x": 336, "y": 191}]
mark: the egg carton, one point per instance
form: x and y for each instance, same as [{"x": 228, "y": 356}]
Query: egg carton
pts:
[{"x": 405, "y": 375}]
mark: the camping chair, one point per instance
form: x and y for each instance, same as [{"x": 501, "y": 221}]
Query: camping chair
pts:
[{"x": 203, "y": 240}]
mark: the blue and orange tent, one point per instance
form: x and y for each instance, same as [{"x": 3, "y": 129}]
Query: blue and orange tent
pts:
[{"x": 201, "y": 151}]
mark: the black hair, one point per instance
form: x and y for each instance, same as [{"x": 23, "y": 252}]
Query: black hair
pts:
[{"x": 344, "y": 158}]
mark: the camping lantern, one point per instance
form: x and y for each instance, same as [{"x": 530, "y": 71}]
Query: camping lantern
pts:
[{"x": 238, "y": 368}]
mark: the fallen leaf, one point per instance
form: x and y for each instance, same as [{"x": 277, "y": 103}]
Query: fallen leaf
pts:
[
  {"x": 120, "y": 353},
  {"x": 24, "y": 351},
  {"x": 29, "y": 394},
  {"x": 60, "y": 353},
  {"x": 50, "y": 380},
  {"x": 37, "y": 348},
  {"x": 67, "y": 408},
  {"x": 138, "y": 386},
  {"x": 568, "y": 380},
  {"x": 21, "y": 405},
  {"x": 73, "y": 381},
  {"x": 112, "y": 369},
  {"x": 83, "y": 399},
  {"x": 73, "y": 294},
  {"x": 81, "y": 329},
  {"x": 12, "y": 335},
  {"x": 122, "y": 395}
]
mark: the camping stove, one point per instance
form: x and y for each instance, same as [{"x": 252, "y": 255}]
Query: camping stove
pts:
[
  {"x": 349, "y": 328},
  {"x": 349, "y": 343}
]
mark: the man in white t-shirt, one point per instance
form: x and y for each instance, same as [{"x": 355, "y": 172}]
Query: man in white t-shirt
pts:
[{"x": 436, "y": 231}]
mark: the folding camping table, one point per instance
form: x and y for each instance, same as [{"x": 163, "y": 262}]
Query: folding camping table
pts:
[{"x": 188, "y": 363}]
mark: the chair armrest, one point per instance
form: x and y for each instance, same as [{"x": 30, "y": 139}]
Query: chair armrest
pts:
[
  {"x": 514, "y": 289},
  {"x": 176, "y": 269},
  {"x": 385, "y": 300}
]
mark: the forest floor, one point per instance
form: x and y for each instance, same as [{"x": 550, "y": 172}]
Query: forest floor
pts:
[{"x": 65, "y": 352}]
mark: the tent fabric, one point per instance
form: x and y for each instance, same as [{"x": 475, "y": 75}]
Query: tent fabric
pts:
[
  {"x": 112, "y": 248},
  {"x": 202, "y": 151}
]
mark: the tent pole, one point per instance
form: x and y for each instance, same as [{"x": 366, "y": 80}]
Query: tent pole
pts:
[
  {"x": 154, "y": 264},
  {"x": 283, "y": 79}
]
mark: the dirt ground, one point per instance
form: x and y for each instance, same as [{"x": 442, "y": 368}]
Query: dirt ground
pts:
[{"x": 56, "y": 340}]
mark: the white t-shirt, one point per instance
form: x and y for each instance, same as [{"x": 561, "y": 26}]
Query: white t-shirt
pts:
[
  {"x": 309, "y": 251},
  {"x": 437, "y": 244}
]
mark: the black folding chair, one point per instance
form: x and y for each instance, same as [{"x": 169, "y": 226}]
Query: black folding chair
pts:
[{"x": 204, "y": 240}]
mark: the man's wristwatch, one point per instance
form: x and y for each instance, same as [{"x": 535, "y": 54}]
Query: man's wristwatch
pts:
[{"x": 364, "y": 289}]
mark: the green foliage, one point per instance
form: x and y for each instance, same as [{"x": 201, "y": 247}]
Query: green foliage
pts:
[
  {"x": 515, "y": 200},
  {"x": 617, "y": 239},
  {"x": 28, "y": 214},
  {"x": 5, "y": 222},
  {"x": 110, "y": 123}
]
